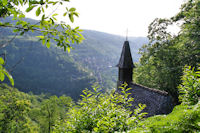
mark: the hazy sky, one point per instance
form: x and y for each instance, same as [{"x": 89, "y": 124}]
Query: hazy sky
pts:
[{"x": 115, "y": 16}]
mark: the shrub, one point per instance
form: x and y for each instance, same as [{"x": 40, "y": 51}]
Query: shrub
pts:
[
  {"x": 190, "y": 87},
  {"x": 183, "y": 119},
  {"x": 98, "y": 112}
]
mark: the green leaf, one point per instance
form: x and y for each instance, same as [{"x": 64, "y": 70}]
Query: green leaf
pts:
[
  {"x": 89, "y": 95},
  {"x": 2, "y": 76},
  {"x": 21, "y": 16},
  {"x": 1, "y": 61},
  {"x": 16, "y": 30},
  {"x": 5, "y": 2},
  {"x": 76, "y": 28},
  {"x": 54, "y": 19},
  {"x": 76, "y": 14},
  {"x": 22, "y": 33},
  {"x": 82, "y": 96},
  {"x": 38, "y": 11},
  {"x": 55, "y": 14},
  {"x": 21, "y": 2},
  {"x": 65, "y": 14},
  {"x": 72, "y": 9},
  {"x": 41, "y": 37},
  {"x": 68, "y": 49},
  {"x": 9, "y": 76},
  {"x": 43, "y": 41},
  {"x": 48, "y": 44},
  {"x": 30, "y": 8},
  {"x": 80, "y": 30},
  {"x": 71, "y": 18},
  {"x": 43, "y": 17},
  {"x": 42, "y": 9},
  {"x": 128, "y": 89},
  {"x": 54, "y": 3}
]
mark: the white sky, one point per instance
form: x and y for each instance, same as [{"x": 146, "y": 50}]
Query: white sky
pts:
[{"x": 115, "y": 16}]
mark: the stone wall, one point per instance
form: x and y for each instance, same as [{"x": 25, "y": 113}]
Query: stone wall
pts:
[{"x": 158, "y": 102}]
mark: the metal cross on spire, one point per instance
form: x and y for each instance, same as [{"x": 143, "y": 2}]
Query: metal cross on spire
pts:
[{"x": 127, "y": 34}]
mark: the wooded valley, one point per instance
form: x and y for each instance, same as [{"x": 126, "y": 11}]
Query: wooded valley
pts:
[{"x": 55, "y": 78}]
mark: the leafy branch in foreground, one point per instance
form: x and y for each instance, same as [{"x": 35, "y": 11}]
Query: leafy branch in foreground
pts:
[
  {"x": 98, "y": 112},
  {"x": 4, "y": 72},
  {"x": 48, "y": 25},
  {"x": 49, "y": 28}
]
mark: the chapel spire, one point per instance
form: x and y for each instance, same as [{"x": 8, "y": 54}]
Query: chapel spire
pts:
[{"x": 125, "y": 65}]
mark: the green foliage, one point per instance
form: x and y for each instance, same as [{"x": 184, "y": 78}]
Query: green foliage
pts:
[
  {"x": 14, "y": 112},
  {"x": 183, "y": 119},
  {"x": 159, "y": 68},
  {"x": 164, "y": 58},
  {"x": 53, "y": 109},
  {"x": 190, "y": 88},
  {"x": 69, "y": 73},
  {"x": 98, "y": 112},
  {"x": 62, "y": 74},
  {"x": 4, "y": 72},
  {"x": 48, "y": 27},
  {"x": 27, "y": 113}
]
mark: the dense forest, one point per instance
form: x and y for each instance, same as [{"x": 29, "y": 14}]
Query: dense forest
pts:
[{"x": 168, "y": 62}]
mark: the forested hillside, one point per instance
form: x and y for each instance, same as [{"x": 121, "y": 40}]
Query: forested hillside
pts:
[
  {"x": 100, "y": 53},
  {"x": 39, "y": 69},
  {"x": 169, "y": 62},
  {"x": 22, "y": 112}
]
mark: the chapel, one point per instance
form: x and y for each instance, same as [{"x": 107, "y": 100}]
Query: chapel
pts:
[{"x": 157, "y": 101}]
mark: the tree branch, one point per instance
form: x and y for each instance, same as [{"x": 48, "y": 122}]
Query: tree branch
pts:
[
  {"x": 26, "y": 29},
  {"x": 8, "y": 42},
  {"x": 13, "y": 67}
]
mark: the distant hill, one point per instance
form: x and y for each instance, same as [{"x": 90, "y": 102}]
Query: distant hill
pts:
[
  {"x": 43, "y": 70},
  {"x": 100, "y": 52}
]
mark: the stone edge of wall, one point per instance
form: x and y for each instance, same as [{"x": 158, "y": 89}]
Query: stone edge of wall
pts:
[{"x": 164, "y": 93}]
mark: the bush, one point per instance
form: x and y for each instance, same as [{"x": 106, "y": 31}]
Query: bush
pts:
[
  {"x": 183, "y": 119},
  {"x": 189, "y": 90},
  {"x": 98, "y": 112}
]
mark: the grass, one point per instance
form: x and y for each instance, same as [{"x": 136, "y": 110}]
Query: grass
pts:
[{"x": 183, "y": 119}]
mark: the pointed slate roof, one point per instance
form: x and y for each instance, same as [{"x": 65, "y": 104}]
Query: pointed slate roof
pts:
[{"x": 126, "y": 58}]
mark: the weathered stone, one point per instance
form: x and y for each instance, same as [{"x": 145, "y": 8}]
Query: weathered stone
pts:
[{"x": 157, "y": 102}]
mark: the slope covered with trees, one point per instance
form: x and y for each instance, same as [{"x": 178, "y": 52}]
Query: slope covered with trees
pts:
[
  {"x": 54, "y": 71},
  {"x": 21, "y": 112},
  {"x": 163, "y": 59},
  {"x": 96, "y": 112},
  {"x": 43, "y": 70},
  {"x": 161, "y": 66}
]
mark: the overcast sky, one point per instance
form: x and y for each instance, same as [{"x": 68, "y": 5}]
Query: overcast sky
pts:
[{"x": 115, "y": 16}]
